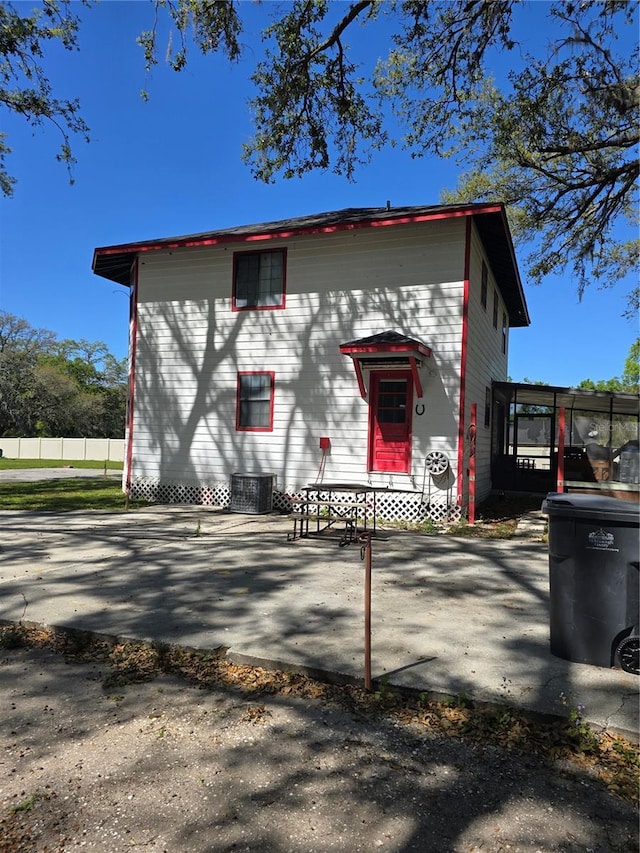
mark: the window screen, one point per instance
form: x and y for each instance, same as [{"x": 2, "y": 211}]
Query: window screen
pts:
[
  {"x": 484, "y": 285},
  {"x": 254, "y": 408},
  {"x": 259, "y": 280}
]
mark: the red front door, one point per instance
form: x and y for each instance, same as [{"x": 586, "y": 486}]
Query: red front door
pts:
[{"x": 391, "y": 396}]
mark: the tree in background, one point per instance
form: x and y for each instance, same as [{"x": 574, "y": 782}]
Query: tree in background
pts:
[
  {"x": 20, "y": 347},
  {"x": 58, "y": 387},
  {"x": 25, "y": 88},
  {"x": 631, "y": 374},
  {"x": 555, "y": 138},
  {"x": 628, "y": 382}
]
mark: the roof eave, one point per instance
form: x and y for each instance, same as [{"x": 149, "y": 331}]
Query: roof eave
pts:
[
  {"x": 109, "y": 260},
  {"x": 502, "y": 258},
  {"x": 378, "y": 349}
]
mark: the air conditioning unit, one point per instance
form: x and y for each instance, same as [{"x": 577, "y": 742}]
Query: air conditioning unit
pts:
[{"x": 251, "y": 493}]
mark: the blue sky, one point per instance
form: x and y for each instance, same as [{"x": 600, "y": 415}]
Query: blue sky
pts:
[{"x": 172, "y": 166}]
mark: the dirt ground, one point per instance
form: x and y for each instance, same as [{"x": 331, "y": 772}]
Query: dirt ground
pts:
[{"x": 91, "y": 762}]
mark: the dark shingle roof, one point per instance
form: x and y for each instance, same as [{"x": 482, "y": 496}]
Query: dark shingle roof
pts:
[{"x": 381, "y": 338}]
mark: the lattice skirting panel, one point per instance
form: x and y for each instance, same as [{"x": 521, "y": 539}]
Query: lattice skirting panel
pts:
[
  {"x": 149, "y": 489},
  {"x": 394, "y": 506},
  {"x": 399, "y": 506}
]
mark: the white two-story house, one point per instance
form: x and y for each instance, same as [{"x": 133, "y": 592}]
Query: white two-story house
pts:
[{"x": 356, "y": 346}]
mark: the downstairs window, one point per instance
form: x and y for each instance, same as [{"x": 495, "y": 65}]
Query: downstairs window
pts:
[{"x": 254, "y": 401}]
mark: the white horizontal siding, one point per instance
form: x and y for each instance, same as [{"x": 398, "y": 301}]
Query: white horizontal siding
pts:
[
  {"x": 340, "y": 286},
  {"x": 486, "y": 361}
]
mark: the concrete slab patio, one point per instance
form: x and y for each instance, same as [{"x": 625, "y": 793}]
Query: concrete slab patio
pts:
[{"x": 450, "y": 615}]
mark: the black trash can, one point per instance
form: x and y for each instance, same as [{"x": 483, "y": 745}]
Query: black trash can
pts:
[{"x": 593, "y": 576}]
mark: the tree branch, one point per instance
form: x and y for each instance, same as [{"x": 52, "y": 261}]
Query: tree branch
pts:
[{"x": 337, "y": 31}]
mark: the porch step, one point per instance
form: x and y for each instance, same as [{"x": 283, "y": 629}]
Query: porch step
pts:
[{"x": 532, "y": 525}]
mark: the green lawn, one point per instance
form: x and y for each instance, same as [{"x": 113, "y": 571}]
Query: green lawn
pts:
[
  {"x": 65, "y": 495},
  {"x": 8, "y": 464}
]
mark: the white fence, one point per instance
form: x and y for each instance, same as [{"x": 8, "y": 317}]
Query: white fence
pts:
[{"x": 96, "y": 449}]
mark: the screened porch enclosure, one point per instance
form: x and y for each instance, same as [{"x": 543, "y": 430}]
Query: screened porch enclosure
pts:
[{"x": 548, "y": 439}]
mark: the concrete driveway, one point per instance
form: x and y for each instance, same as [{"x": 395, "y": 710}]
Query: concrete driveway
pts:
[{"x": 450, "y": 616}]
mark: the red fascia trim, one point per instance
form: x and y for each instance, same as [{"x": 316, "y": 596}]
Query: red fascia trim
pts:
[
  {"x": 416, "y": 376},
  {"x": 360, "y": 378},
  {"x": 382, "y": 348},
  {"x": 294, "y": 232},
  {"x": 271, "y": 374},
  {"x": 133, "y": 319},
  {"x": 463, "y": 363}
]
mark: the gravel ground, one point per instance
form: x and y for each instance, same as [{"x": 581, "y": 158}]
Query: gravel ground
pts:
[{"x": 163, "y": 766}]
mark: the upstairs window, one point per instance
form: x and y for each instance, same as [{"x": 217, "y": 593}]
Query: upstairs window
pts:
[
  {"x": 484, "y": 286},
  {"x": 259, "y": 280},
  {"x": 495, "y": 309},
  {"x": 254, "y": 401}
]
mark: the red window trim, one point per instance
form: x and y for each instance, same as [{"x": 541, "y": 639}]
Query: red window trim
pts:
[
  {"x": 260, "y": 251},
  {"x": 272, "y": 377}
]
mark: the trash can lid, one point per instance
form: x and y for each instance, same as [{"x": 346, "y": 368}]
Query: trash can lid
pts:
[{"x": 591, "y": 505}]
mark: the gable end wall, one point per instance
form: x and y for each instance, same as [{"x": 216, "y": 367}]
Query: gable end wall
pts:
[{"x": 340, "y": 286}]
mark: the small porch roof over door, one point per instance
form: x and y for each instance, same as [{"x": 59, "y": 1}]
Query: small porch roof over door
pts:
[{"x": 384, "y": 351}]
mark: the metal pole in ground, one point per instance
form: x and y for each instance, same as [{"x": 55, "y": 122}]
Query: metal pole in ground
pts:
[
  {"x": 365, "y": 554},
  {"x": 560, "y": 472},
  {"x": 472, "y": 464}
]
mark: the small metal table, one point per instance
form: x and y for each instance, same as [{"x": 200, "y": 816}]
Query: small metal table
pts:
[{"x": 325, "y": 505}]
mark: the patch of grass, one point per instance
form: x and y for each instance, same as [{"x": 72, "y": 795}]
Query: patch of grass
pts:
[
  {"x": 65, "y": 495},
  {"x": 497, "y": 517},
  {"x": 427, "y": 526},
  {"x": 13, "y": 464},
  {"x": 485, "y": 530},
  {"x": 7, "y": 464},
  {"x": 30, "y": 802}
]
